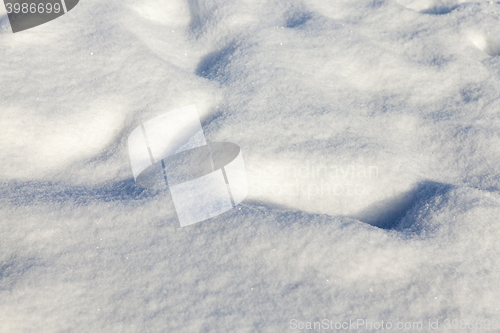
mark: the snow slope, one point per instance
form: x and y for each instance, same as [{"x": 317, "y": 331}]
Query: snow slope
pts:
[{"x": 370, "y": 133}]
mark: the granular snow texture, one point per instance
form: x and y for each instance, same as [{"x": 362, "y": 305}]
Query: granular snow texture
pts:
[{"x": 370, "y": 132}]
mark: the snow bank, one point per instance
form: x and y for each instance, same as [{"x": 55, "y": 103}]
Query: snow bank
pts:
[{"x": 369, "y": 132}]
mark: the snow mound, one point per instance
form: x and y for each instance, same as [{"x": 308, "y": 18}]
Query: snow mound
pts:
[{"x": 370, "y": 137}]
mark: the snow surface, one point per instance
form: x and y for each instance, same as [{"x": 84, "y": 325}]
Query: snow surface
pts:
[{"x": 370, "y": 134}]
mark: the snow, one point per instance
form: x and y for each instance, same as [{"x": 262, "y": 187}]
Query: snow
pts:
[{"x": 370, "y": 132}]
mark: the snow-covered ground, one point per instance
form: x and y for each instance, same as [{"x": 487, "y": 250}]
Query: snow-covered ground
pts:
[{"x": 370, "y": 132}]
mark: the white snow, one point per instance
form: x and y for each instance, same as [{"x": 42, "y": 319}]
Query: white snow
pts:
[{"x": 370, "y": 132}]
